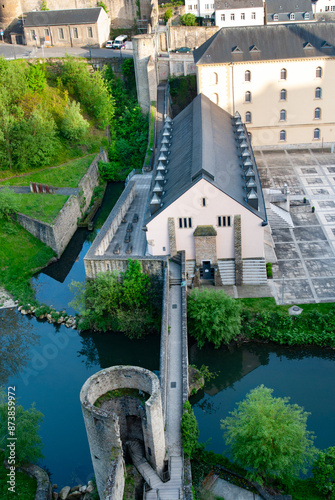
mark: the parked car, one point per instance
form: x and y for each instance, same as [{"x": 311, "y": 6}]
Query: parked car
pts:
[
  {"x": 119, "y": 42},
  {"x": 109, "y": 44},
  {"x": 183, "y": 50}
]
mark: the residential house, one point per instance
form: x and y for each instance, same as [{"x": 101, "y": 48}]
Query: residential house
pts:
[
  {"x": 279, "y": 78},
  {"x": 288, "y": 11},
  {"x": 239, "y": 13},
  {"x": 73, "y": 27},
  {"x": 206, "y": 197}
]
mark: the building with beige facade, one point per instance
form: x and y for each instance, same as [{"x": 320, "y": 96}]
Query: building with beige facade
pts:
[
  {"x": 279, "y": 78},
  {"x": 72, "y": 27},
  {"x": 206, "y": 197}
]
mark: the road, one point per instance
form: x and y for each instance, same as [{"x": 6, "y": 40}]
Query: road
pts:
[{"x": 12, "y": 51}]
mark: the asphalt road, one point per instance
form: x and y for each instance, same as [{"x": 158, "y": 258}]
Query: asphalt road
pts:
[{"x": 11, "y": 51}]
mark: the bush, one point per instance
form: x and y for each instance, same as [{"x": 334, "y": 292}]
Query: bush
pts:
[
  {"x": 213, "y": 316},
  {"x": 8, "y": 203},
  {"x": 74, "y": 126},
  {"x": 269, "y": 436},
  {"x": 269, "y": 269},
  {"x": 188, "y": 20},
  {"x": 324, "y": 473},
  {"x": 189, "y": 430},
  {"x": 168, "y": 14}
]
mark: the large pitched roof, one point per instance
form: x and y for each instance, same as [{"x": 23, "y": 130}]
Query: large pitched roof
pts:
[
  {"x": 272, "y": 42},
  {"x": 61, "y": 17},
  {"x": 277, "y": 6},
  {"x": 237, "y": 4},
  {"x": 204, "y": 146}
]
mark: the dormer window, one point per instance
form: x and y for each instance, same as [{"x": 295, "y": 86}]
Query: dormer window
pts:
[
  {"x": 306, "y": 16},
  {"x": 276, "y": 17},
  {"x": 292, "y": 16}
]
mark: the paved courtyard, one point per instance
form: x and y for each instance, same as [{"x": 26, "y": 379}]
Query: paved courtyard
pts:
[{"x": 306, "y": 253}]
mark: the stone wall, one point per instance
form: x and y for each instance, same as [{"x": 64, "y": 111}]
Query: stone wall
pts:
[
  {"x": 172, "y": 236},
  {"x": 58, "y": 234},
  {"x": 184, "y": 327},
  {"x": 164, "y": 340},
  {"x": 205, "y": 249},
  {"x": 151, "y": 265},
  {"x": 190, "y": 36},
  {"x": 144, "y": 53},
  {"x": 238, "y": 250}
]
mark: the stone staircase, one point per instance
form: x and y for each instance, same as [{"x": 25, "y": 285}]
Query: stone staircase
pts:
[
  {"x": 254, "y": 272},
  {"x": 190, "y": 265},
  {"x": 278, "y": 218},
  {"x": 227, "y": 271},
  {"x": 171, "y": 490}
]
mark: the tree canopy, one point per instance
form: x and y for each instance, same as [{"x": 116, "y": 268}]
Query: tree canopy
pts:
[
  {"x": 324, "y": 472},
  {"x": 188, "y": 19},
  {"x": 213, "y": 316},
  {"x": 269, "y": 436},
  {"x": 189, "y": 430}
]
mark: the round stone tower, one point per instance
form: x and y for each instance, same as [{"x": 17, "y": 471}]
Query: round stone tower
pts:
[
  {"x": 9, "y": 10},
  {"x": 122, "y": 405}
]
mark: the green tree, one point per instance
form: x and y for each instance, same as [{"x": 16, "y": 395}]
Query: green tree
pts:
[
  {"x": 269, "y": 436},
  {"x": 103, "y": 5},
  {"x": 36, "y": 78},
  {"x": 74, "y": 126},
  {"x": 188, "y": 20},
  {"x": 44, "y": 5},
  {"x": 28, "y": 444},
  {"x": 135, "y": 285},
  {"x": 324, "y": 473},
  {"x": 189, "y": 430},
  {"x": 213, "y": 316},
  {"x": 8, "y": 203},
  {"x": 167, "y": 15}
]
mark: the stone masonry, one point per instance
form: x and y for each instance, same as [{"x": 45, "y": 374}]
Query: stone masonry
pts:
[
  {"x": 172, "y": 236},
  {"x": 205, "y": 244},
  {"x": 238, "y": 249}
]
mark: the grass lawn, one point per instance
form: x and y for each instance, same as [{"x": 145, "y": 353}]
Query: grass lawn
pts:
[
  {"x": 25, "y": 487},
  {"x": 41, "y": 207},
  {"x": 66, "y": 175},
  {"x": 21, "y": 255},
  {"x": 269, "y": 304}
]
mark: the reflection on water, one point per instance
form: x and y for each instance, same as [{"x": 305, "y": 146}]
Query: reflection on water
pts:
[
  {"x": 48, "y": 365},
  {"x": 305, "y": 375}
]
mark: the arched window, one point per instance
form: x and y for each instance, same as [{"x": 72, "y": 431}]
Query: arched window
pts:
[
  {"x": 292, "y": 16},
  {"x": 247, "y": 96},
  {"x": 283, "y": 74},
  {"x": 247, "y": 76},
  {"x": 316, "y": 133},
  {"x": 318, "y": 93},
  {"x": 283, "y": 95},
  {"x": 215, "y": 98},
  {"x": 248, "y": 117},
  {"x": 318, "y": 72},
  {"x": 283, "y": 115},
  {"x": 306, "y": 16},
  {"x": 317, "y": 113},
  {"x": 282, "y": 136},
  {"x": 214, "y": 78}
]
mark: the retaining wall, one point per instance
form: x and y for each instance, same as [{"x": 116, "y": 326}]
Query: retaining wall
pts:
[
  {"x": 58, "y": 234},
  {"x": 163, "y": 369}
]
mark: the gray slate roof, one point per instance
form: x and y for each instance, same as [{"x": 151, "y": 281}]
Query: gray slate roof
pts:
[
  {"x": 277, "y": 6},
  {"x": 237, "y": 4},
  {"x": 61, "y": 17},
  {"x": 204, "y": 146},
  {"x": 274, "y": 42}
]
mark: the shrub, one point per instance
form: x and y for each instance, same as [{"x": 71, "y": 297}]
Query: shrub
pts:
[
  {"x": 188, "y": 20},
  {"x": 213, "y": 316},
  {"x": 269, "y": 269},
  {"x": 8, "y": 203},
  {"x": 168, "y": 14},
  {"x": 74, "y": 126},
  {"x": 189, "y": 430},
  {"x": 269, "y": 436},
  {"x": 324, "y": 472}
]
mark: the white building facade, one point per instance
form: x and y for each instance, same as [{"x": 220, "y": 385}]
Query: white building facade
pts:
[{"x": 234, "y": 13}]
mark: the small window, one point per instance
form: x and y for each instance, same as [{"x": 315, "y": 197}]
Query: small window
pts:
[
  {"x": 248, "y": 117},
  {"x": 203, "y": 202},
  {"x": 224, "y": 221},
  {"x": 292, "y": 16},
  {"x": 275, "y": 17},
  {"x": 223, "y": 17},
  {"x": 189, "y": 222},
  {"x": 232, "y": 17},
  {"x": 317, "y": 113},
  {"x": 306, "y": 16},
  {"x": 46, "y": 32},
  {"x": 318, "y": 72},
  {"x": 207, "y": 6},
  {"x": 214, "y": 78},
  {"x": 60, "y": 33},
  {"x": 253, "y": 15},
  {"x": 247, "y": 96},
  {"x": 283, "y": 74},
  {"x": 283, "y": 95},
  {"x": 75, "y": 32},
  {"x": 90, "y": 32},
  {"x": 282, "y": 135},
  {"x": 185, "y": 222},
  {"x": 215, "y": 98},
  {"x": 247, "y": 76},
  {"x": 180, "y": 223},
  {"x": 242, "y": 16},
  {"x": 195, "y": 7},
  {"x": 316, "y": 133},
  {"x": 283, "y": 115},
  {"x": 318, "y": 93},
  {"x": 326, "y": 8},
  {"x": 332, "y": 8},
  {"x": 190, "y": 7}
]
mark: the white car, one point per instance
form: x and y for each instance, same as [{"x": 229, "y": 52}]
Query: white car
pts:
[{"x": 109, "y": 44}]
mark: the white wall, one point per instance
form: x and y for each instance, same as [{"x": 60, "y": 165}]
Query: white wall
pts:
[
  {"x": 217, "y": 204},
  {"x": 324, "y": 6},
  {"x": 248, "y": 14}
]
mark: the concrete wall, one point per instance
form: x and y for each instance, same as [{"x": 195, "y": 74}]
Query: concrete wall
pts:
[
  {"x": 164, "y": 347},
  {"x": 58, "y": 234},
  {"x": 229, "y": 88},
  {"x": 103, "y": 429}
]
